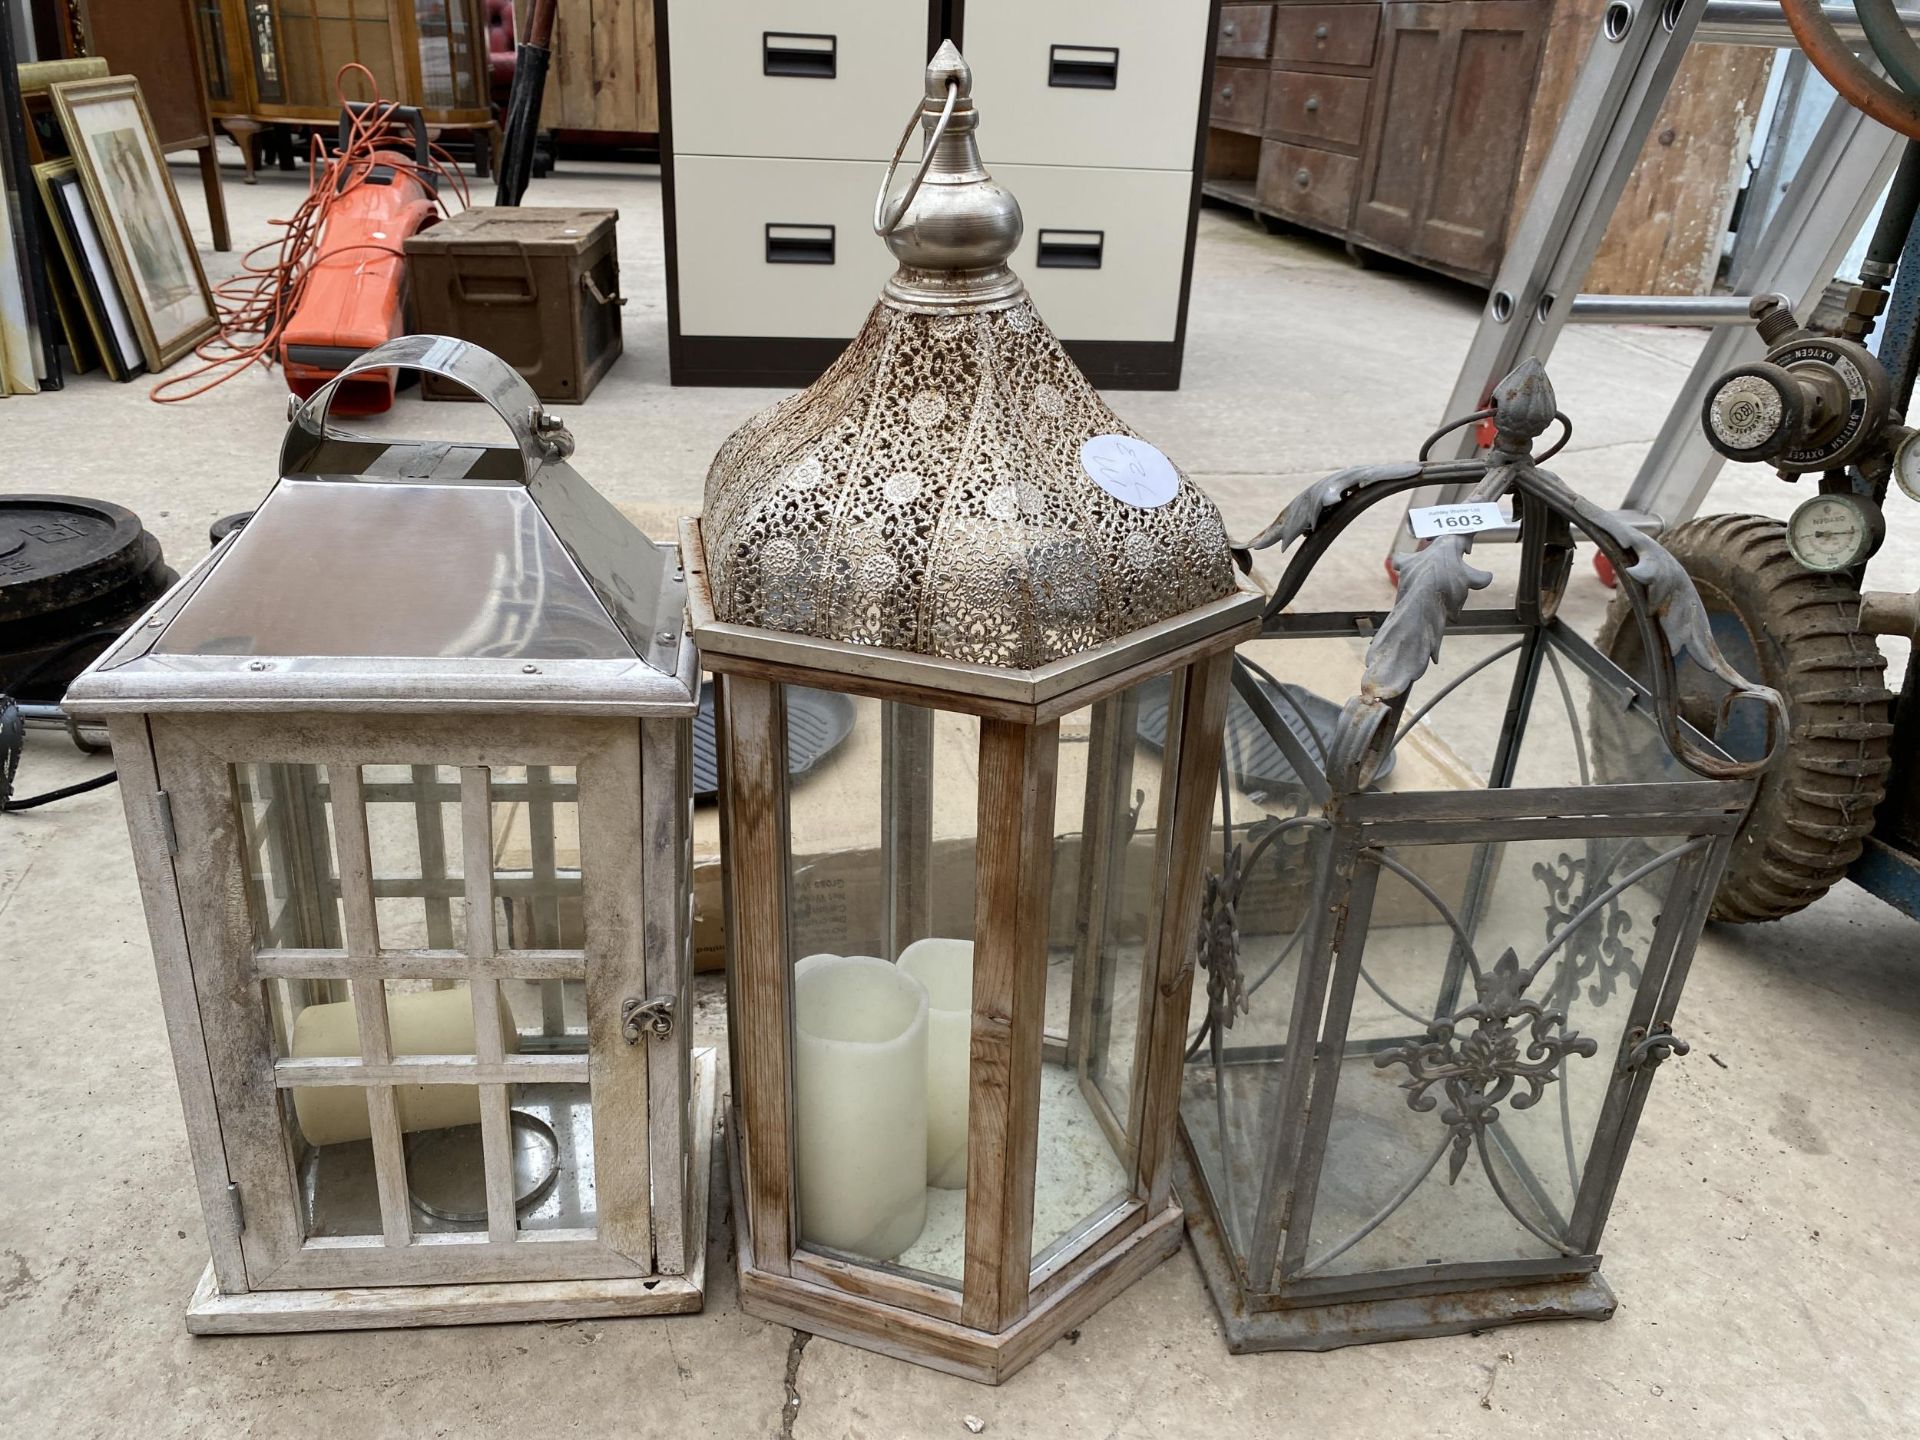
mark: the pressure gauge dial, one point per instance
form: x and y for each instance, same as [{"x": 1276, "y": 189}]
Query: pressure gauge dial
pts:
[
  {"x": 1835, "y": 532},
  {"x": 1906, "y": 465}
]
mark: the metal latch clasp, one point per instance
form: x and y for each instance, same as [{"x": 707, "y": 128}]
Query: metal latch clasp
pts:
[
  {"x": 1650, "y": 1047},
  {"x": 638, "y": 1016}
]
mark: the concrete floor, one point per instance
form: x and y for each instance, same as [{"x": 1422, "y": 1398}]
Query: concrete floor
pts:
[{"x": 1764, "y": 1242}]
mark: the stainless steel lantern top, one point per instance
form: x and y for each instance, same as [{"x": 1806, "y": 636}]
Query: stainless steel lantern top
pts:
[
  {"x": 953, "y": 486},
  {"x": 417, "y": 575}
]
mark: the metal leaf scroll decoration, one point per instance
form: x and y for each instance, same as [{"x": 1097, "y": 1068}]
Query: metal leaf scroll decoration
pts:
[
  {"x": 1515, "y": 1042},
  {"x": 1220, "y": 940},
  {"x": 1303, "y": 512},
  {"x": 1599, "y": 951},
  {"x": 1434, "y": 584}
]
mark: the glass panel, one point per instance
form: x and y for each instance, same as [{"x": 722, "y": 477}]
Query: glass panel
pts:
[
  {"x": 265, "y": 45},
  {"x": 212, "y": 30},
  {"x": 326, "y": 1126},
  {"x": 536, "y": 874},
  {"x": 1107, "y": 816},
  {"x": 1265, "y": 862},
  {"x": 434, "y": 23},
  {"x": 413, "y": 836},
  {"x": 1504, "y": 1032},
  {"x": 882, "y": 834},
  {"x": 1582, "y": 732},
  {"x": 339, "y": 1191},
  {"x": 293, "y": 885}
]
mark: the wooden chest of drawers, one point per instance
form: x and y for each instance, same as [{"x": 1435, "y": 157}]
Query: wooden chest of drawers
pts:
[{"x": 1398, "y": 127}]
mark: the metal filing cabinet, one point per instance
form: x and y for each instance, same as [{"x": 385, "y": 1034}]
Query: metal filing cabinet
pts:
[{"x": 777, "y": 117}]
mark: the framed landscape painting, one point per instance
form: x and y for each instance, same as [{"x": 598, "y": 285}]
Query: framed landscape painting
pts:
[{"x": 138, "y": 215}]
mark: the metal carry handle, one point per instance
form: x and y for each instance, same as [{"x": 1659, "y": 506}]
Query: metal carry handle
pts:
[
  {"x": 887, "y": 218},
  {"x": 540, "y": 437}
]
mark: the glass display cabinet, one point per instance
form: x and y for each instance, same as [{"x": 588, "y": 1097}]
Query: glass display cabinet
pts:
[
  {"x": 278, "y": 61},
  {"x": 1445, "y": 928},
  {"x": 959, "y": 950},
  {"x": 406, "y": 764}
]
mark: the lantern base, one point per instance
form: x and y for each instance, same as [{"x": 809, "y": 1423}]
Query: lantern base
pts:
[
  {"x": 1332, "y": 1325},
  {"x": 267, "y": 1312},
  {"x": 941, "y": 1344}
]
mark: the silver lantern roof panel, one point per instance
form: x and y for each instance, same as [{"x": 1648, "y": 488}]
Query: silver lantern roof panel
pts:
[
  {"x": 953, "y": 486},
  {"x": 418, "y": 576}
]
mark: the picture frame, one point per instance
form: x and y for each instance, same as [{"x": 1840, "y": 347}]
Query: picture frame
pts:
[
  {"x": 107, "y": 318},
  {"x": 45, "y": 140},
  {"x": 136, "y": 215}
]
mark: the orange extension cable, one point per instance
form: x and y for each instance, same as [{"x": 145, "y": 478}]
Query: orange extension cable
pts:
[{"x": 256, "y": 304}]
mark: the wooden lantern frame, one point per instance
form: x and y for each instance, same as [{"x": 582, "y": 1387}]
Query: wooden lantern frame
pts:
[
  {"x": 244, "y": 757},
  {"x": 1010, "y": 1304}
]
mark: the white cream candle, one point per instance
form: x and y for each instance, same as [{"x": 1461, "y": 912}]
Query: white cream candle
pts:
[
  {"x": 419, "y": 1022},
  {"x": 860, "y": 1104},
  {"x": 945, "y": 967}
]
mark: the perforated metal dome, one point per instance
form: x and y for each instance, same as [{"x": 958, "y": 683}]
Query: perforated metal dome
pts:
[{"x": 944, "y": 488}]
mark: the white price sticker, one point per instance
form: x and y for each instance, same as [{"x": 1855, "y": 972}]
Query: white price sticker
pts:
[
  {"x": 1130, "y": 470},
  {"x": 1428, "y": 521}
]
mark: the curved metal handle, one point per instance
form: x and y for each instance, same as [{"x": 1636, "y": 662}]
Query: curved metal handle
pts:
[
  {"x": 540, "y": 437},
  {"x": 887, "y": 218}
]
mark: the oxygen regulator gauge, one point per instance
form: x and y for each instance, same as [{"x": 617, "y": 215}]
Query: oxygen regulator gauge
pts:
[
  {"x": 1835, "y": 532},
  {"x": 1906, "y": 465}
]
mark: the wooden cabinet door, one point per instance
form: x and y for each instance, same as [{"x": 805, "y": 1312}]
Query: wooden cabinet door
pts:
[{"x": 1450, "y": 111}]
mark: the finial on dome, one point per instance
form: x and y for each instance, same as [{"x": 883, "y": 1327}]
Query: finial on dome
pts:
[{"x": 947, "y": 67}]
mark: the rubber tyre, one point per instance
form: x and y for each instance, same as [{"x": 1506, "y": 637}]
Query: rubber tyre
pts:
[{"x": 1816, "y": 802}]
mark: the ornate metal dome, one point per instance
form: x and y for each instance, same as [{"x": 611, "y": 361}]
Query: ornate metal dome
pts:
[{"x": 953, "y": 486}]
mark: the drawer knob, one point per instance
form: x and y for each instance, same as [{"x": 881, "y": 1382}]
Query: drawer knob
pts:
[
  {"x": 1230, "y": 29},
  {"x": 1313, "y": 103},
  {"x": 1320, "y": 31},
  {"x": 1303, "y": 177},
  {"x": 1226, "y": 92}
]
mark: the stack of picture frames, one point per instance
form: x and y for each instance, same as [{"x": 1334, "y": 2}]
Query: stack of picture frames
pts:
[
  {"x": 126, "y": 282},
  {"x": 29, "y": 352}
]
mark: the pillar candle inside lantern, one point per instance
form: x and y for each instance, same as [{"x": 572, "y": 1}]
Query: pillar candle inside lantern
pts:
[
  {"x": 945, "y": 967},
  {"x": 860, "y": 1104},
  {"x": 419, "y": 1022}
]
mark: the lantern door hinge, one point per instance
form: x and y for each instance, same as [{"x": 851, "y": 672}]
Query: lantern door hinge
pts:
[
  {"x": 638, "y": 1016},
  {"x": 163, "y": 802},
  {"x": 239, "y": 1210}
]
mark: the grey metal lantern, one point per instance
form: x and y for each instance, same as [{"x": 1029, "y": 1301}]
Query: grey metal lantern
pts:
[
  {"x": 406, "y": 763},
  {"x": 1446, "y": 927},
  {"x": 959, "y": 945}
]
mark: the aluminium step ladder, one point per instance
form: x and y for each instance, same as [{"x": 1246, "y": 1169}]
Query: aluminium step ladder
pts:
[{"x": 1622, "y": 84}]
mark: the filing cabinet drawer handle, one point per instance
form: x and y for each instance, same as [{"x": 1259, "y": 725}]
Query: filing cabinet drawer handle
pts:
[
  {"x": 799, "y": 244},
  {"x": 806, "y": 57},
  {"x": 1083, "y": 67},
  {"x": 887, "y": 217},
  {"x": 1071, "y": 249}
]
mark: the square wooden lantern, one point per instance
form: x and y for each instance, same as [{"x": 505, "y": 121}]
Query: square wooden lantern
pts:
[
  {"x": 1446, "y": 928},
  {"x": 406, "y": 765},
  {"x": 959, "y": 945}
]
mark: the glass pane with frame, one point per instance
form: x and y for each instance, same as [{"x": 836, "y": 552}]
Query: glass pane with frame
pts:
[
  {"x": 413, "y": 840},
  {"x": 1490, "y": 1007},
  {"x": 1102, "y": 932},
  {"x": 880, "y": 924},
  {"x": 287, "y": 849}
]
